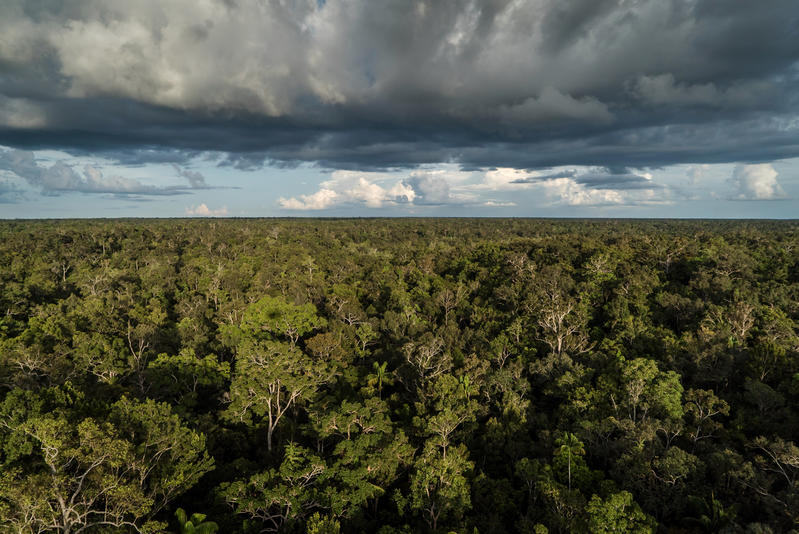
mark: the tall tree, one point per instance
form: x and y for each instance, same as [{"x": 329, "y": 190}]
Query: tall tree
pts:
[{"x": 270, "y": 378}]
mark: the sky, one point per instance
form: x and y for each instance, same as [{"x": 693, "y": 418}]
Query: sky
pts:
[{"x": 519, "y": 108}]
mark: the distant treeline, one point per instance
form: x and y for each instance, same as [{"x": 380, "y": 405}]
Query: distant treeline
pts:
[{"x": 396, "y": 376}]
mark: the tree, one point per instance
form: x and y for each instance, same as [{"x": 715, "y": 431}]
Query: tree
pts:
[
  {"x": 427, "y": 359},
  {"x": 773, "y": 475},
  {"x": 185, "y": 380},
  {"x": 69, "y": 473},
  {"x": 276, "y": 318},
  {"x": 270, "y": 377},
  {"x": 449, "y": 407},
  {"x": 701, "y": 407},
  {"x": 282, "y": 495},
  {"x": 561, "y": 318},
  {"x": 438, "y": 483},
  {"x": 569, "y": 446},
  {"x": 380, "y": 375},
  {"x": 646, "y": 388},
  {"x": 368, "y": 453},
  {"x": 618, "y": 513}
]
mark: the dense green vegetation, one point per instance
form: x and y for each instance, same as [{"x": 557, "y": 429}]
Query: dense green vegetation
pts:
[{"x": 328, "y": 376}]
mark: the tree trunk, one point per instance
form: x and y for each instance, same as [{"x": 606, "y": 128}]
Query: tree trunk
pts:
[{"x": 570, "y": 469}]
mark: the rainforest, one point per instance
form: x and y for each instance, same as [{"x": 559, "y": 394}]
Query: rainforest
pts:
[{"x": 399, "y": 375}]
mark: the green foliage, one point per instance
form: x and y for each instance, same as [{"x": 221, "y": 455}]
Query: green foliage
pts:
[
  {"x": 272, "y": 377},
  {"x": 568, "y": 459},
  {"x": 368, "y": 454},
  {"x": 618, "y": 513},
  {"x": 196, "y": 524},
  {"x": 68, "y": 471},
  {"x": 399, "y": 376},
  {"x": 276, "y": 318},
  {"x": 438, "y": 485},
  {"x": 281, "y": 495},
  {"x": 318, "y": 524},
  {"x": 186, "y": 380},
  {"x": 712, "y": 516}
]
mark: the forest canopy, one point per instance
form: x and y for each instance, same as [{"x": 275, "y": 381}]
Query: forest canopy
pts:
[{"x": 395, "y": 376}]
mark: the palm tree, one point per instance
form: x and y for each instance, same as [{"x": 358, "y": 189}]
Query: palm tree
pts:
[
  {"x": 569, "y": 444},
  {"x": 381, "y": 374},
  {"x": 196, "y": 524}
]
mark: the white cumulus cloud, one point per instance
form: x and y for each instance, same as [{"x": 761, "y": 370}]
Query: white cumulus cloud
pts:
[
  {"x": 204, "y": 211},
  {"x": 322, "y": 199},
  {"x": 567, "y": 191},
  {"x": 347, "y": 188},
  {"x": 379, "y": 189},
  {"x": 494, "y": 188},
  {"x": 756, "y": 182}
]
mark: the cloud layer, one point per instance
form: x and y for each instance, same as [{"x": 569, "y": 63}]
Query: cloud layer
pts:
[
  {"x": 371, "y": 84},
  {"x": 61, "y": 177},
  {"x": 449, "y": 187}
]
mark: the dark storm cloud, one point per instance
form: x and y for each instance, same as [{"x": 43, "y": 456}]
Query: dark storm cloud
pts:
[
  {"x": 603, "y": 180},
  {"x": 545, "y": 177},
  {"x": 377, "y": 84},
  {"x": 567, "y": 22}
]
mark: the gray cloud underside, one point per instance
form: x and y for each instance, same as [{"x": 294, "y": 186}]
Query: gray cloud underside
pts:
[
  {"x": 9, "y": 192},
  {"x": 60, "y": 178},
  {"x": 605, "y": 178},
  {"x": 375, "y": 84}
]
